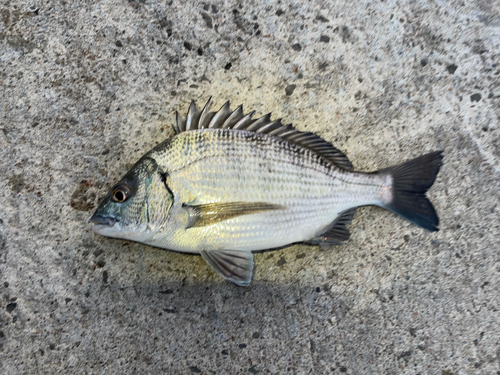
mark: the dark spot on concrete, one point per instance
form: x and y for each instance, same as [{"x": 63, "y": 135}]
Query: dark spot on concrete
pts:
[
  {"x": 253, "y": 369},
  {"x": 451, "y": 68},
  {"x": 300, "y": 256},
  {"x": 446, "y": 372},
  {"x": 405, "y": 355},
  {"x": 165, "y": 23},
  {"x": 35, "y": 124},
  {"x": 318, "y": 289},
  {"x": 478, "y": 365},
  {"x": 17, "y": 183},
  {"x": 171, "y": 311},
  {"x": 36, "y": 12},
  {"x": 6, "y": 284},
  {"x": 207, "y": 19},
  {"x": 68, "y": 300},
  {"x": 475, "y": 97},
  {"x": 343, "y": 369},
  {"x": 358, "y": 95},
  {"x": 322, "y": 66},
  {"x": 5, "y": 16},
  {"x": 242, "y": 346},
  {"x": 195, "y": 369},
  {"x": 255, "y": 335},
  {"x": 82, "y": 198},
  {"x": 52, "y": 346},
  {"x": 167, "y": 291},
  {"x": 406, "y": 238},
  {"x": 346, "y": 34},
  {"x": 200, "y": 51},
  {"x": 224, "y": 352},
  {"x": 281, "y": 262},
  {"x": 215, "y": 9},
  {"x": 256, "y": 26},
  {"x": 188, "y": 46},
  {"x": 119, "y": 43},
  {"x": 324, "y": 38},
  {"x": 105, "y": 277},
  {"x": 2, "y": 335},
  {"x": 20, "y": 44},
  {"x": 228, "y": 66},
  {"x": 279, "y": 12},
  {"x": 97, "y": 253},
  {"x": 296, "y": 47},
  {"x": 424, "y": 62},
  {"x": 11, "y": 307},
  {"x": 320, "y": 18},
  {"x": 413, "y": 331},
  {"x": 289, "y": 89}
]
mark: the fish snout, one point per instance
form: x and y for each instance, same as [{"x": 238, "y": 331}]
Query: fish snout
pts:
[{"x": 103, "y": 220}]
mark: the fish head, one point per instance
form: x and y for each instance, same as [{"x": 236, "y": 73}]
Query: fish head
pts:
[{"x": 137, "y": 206}]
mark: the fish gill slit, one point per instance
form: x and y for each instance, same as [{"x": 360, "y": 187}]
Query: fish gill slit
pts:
[{"x": 163, "y": 177}]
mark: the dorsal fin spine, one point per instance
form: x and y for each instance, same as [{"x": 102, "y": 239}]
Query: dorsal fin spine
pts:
[{"x": 237, "y": 120}]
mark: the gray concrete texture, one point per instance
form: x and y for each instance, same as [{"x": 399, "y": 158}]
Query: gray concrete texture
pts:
[{"x": 88, "y": 87}]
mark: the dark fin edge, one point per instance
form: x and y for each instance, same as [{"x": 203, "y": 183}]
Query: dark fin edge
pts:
[
  {"x": 410, "y": 182},
  {"x": 237, "y": 119},
  {"x": 337, "y": 232}
]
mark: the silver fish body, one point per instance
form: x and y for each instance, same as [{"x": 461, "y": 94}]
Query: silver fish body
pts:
[
  {"x": 218, "y": 165},
  {"x": 226, "y": 186}
]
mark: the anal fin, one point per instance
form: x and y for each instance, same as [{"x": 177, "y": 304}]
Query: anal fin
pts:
[
  {"x": 337, "y": 233},
  {"x": 235, "y": 266}
]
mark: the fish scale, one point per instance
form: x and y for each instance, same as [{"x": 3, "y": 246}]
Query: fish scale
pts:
[
  {"x": 250, "y": 167},
  {"x": 227, "y": 185}
]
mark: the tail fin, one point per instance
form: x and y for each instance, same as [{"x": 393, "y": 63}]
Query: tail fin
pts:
[{"x": 410, "y": 181}]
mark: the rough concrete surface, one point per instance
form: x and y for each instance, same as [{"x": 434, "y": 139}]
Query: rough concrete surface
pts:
[{"x": 87, "y": 87}]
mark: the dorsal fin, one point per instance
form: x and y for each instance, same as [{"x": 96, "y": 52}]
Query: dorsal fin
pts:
[{"x": 237, "y": 119}]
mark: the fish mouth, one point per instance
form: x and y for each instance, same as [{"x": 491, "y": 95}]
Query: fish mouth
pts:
[{"x": 103, "y": 220}]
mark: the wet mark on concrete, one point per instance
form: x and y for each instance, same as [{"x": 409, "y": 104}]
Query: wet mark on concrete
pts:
[
  {"x": 17, "y": 183},
  {"x": 82, "y": 198}
]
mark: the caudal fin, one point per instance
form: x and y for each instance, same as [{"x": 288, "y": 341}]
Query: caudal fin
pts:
[{"x": 410, "y": 181}]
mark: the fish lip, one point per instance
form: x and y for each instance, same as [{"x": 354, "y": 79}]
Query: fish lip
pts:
[{"x": 103, "y": 220}]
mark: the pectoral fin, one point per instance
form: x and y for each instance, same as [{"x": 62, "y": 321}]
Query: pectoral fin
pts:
[
  {"x": 233, "y": 265},
  {"x": 212, "y": 213}
]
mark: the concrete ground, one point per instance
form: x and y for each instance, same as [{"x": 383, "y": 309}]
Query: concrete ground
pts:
[{"x": 88, "y": 87}]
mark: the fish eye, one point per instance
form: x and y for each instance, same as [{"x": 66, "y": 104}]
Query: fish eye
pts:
[{"x": 120, "y": 194}]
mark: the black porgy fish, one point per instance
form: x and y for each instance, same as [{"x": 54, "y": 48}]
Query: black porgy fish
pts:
[{"x": 226, "y": 186}]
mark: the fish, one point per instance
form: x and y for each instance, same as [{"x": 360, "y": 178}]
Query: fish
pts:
[{"x": 226, "y": 186}]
